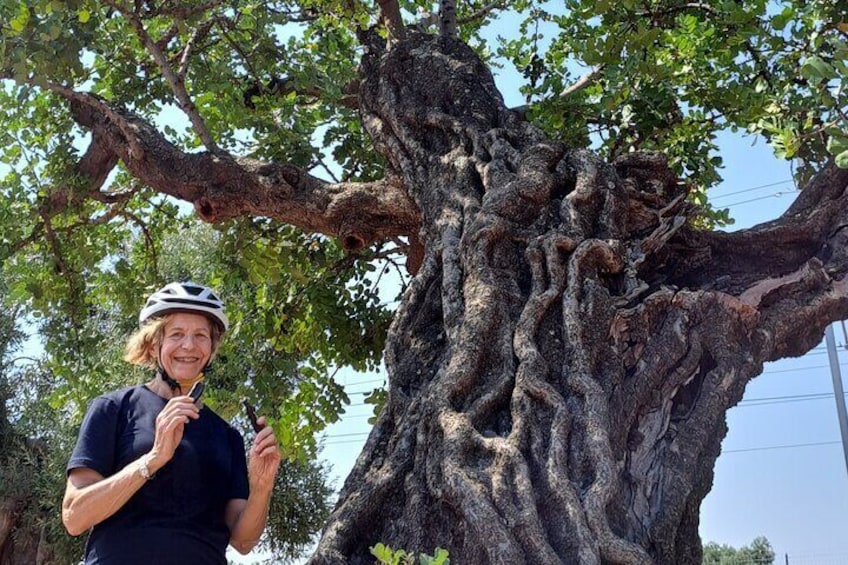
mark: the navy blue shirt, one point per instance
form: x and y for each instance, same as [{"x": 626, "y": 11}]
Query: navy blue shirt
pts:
[{"x": 177, "y": 517}]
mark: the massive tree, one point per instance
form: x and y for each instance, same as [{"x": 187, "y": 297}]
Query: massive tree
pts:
[{"x": 574, "y": 331}]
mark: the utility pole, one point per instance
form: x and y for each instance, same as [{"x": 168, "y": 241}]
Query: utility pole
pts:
[{"x": 837, "y": 389}]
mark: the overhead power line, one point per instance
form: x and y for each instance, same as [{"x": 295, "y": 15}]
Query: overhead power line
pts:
[
  {"x": 753, "y": 188},
  {"x": 784, "y": 399},
  {"x": 788, "y": 446},
  {"x": 778, "y": 194}
]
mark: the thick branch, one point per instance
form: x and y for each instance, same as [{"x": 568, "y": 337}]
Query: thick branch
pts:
[
  {"x": 222, "y": 186},
  {"x": 96, "y": 165},
  {"x": 390, "y": 14},
  {"x": 732, "y": 262},
  {"x": 447, "y": 22}
]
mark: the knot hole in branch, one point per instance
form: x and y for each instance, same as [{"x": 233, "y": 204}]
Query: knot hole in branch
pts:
[
  {"x": 205, "y": 209},
  {"x": 353, "y": 242}
]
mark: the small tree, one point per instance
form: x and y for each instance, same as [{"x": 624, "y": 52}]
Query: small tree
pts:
[{"x": 758, "y": 553}]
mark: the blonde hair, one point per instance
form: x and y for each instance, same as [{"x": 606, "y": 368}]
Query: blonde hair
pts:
[{"x": 143, "y": 345}]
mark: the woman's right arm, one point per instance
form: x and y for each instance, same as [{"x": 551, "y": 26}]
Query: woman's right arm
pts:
[{"x": 90, "y": 498}]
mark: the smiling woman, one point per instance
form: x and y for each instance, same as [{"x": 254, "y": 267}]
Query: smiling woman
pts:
[{"x": 205, "y": 495}]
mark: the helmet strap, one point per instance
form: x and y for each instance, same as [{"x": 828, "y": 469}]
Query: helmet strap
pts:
[{"x": 163, "y": 374}]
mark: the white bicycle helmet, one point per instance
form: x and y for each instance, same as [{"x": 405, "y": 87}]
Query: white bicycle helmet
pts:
[{"x": 185, "y": 297}]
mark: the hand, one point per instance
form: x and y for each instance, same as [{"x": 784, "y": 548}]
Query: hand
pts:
[
  {"x": 170, "y": 424},
  {"x": 264, "y": 459}
]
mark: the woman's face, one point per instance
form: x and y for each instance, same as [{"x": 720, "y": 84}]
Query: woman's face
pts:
[{"x": 186, "y": 345}]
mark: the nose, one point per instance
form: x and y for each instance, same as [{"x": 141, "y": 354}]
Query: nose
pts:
[{"x": 187, "y": 342}]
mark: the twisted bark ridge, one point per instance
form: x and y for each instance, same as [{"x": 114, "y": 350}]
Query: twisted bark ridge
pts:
[{"x": 561, "y": 365}]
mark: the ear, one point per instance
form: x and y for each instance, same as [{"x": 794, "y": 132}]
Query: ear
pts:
[{"x": 152, "y": 352}]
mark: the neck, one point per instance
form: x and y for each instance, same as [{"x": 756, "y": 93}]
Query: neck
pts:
[{"x": 159, "y": 386}]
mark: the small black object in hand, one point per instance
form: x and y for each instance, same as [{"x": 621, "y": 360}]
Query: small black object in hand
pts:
[
  {"x": 251, "y": 415},
  {"x": 196, "y": 390}
]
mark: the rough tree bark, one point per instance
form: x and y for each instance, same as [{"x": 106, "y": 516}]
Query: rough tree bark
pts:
[{"x": 561, "y": 365}]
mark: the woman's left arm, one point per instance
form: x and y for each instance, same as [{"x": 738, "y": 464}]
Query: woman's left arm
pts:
[{"x": 247, "y": 518}]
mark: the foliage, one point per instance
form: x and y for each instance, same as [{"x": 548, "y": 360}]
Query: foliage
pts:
[
  {"x": 387, "y": 556},
  {"x": 758, "y": 553},
  {"x": 672, "y": 77},
  {"x": 31, "y": 471},
  {"x": 83, "y": 360}
]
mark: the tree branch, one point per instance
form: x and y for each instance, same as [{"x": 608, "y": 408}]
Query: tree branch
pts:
[
  {"x": 679, "y": 8},
  {"x": 482, "y": 12},
  {"x": 181, "y": 11},
  {"x": 788, "y": 278},
  {"x": 222, "y": 186},
  {"x": 285, "y": 85},
  {"x": 390, "y": 14},
  {"x": 732, "y": 262},
  {"x": 96, "y": 165},
  {"x": 581, "y": 83},
  {"x": 447, "y": 21},
  {"x": 185, "y": 57},
  {"x": 176, "y": 82}
]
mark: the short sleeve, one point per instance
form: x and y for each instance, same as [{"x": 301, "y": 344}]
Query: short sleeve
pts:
[
  {"x": 95, "y": 448},
  {"x": 238, "y": 479}
]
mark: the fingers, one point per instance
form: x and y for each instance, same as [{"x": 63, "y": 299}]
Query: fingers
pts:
[
  {"x": 170, "y": 422},
  {"x": 182, "y": 404},
  {"x": 180, "y": 408},
  {"x": 265, "y": 443}
]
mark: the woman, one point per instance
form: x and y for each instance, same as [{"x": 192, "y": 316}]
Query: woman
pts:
[{"x": 156, "y": 477}]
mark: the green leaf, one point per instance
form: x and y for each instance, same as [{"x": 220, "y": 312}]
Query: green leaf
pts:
[
  {"x": 18, "y": 24},
  {"x": 837, "y": 144},
  {"x": 842, "y": 160},
  {"x": 816, "y": 70},
  {"x": 439, "y": 557},
  {"x": 83, "y": 16},
  {"x": 779, "y": 21}
]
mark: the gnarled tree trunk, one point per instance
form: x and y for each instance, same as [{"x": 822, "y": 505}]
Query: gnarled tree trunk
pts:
[{"x": 561, "y": 365}]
